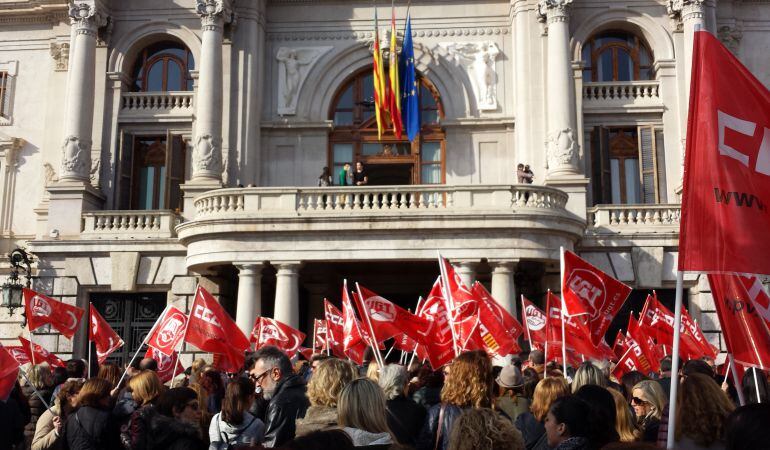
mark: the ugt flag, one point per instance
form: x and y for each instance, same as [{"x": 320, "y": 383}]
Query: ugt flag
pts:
[
  {"x": 269, "y": 331},
  {"x": 727, "y": 166},
  {"x": 169, "y": 331},
  {"x": 103, "y": 336},
  {"x": 42, "y": 310}
]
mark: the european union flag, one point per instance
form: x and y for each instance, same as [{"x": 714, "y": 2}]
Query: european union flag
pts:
[{"x": 410, "y": 89}]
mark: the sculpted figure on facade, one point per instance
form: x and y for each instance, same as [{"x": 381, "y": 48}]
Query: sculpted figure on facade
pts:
[
  {"x": 562, "y": 150},
  {"x": 207, "y": 155},
  {"x": 478, "y": 59},
  {"x": 49, "y": 175},
  {"x": 61, "y": 55},
  {"x": 75, "y": 152},
  {"x": 731, "y": 36},
  {"x": 294, "y": 65}
]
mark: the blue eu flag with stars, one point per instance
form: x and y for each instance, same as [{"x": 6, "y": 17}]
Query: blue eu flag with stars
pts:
[{"x": 410, "y": 90}]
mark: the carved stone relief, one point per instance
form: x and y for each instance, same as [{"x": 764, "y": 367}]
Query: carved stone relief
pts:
[
  {"x": 731, "y": 36},
  {"x": 50, "y": 174},
  {"x": 60, "y": 52},
  {"x": 478, "y": 59},
  {"x": 294, "y": 63},
  {"x": 562, "y": 149},
  {"x": 75, "y": 152},
  {"x": 207, "y": 155}
]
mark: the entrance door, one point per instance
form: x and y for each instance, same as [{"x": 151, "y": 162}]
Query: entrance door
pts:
[
  {"x": 131, "y": 316},
  {"x": 390, "y": 174}
]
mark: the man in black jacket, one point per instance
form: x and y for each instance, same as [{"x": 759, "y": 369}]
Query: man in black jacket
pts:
[{"x": 283, "y": 390}]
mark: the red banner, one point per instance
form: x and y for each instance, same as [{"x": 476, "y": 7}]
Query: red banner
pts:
[
  {"x": 9, "y": 371},
  {"x": 355, "y": 339},
  {"x": 212, "y": 330},
  {"x": 320, "y": 336},
  {"x": 587, "y": 290},
  {"x": 440, "y": 346},
  {"x": 41, "y": 310},
  {"x": 105, "y": 339},
  {"x": 619, "y": 347},
  {"x": 169, "y": 331},
  {"x": 726, "y": 177},
  {"x": 19, "y": 354},
  {"x": 269, "y": 331},
  {"x": 40, "y": 355},
  {"x": 335, "y": 329},
  {"x": 629, "y": 362},
  {"x": 649, "y": 348},
  {"x": 659, "y": 323},
  {"x": 534, "y": 320},
  {"x": 576, "y": 333},
  {"x": 759, "y": 298},
  {"x": 745, "y": 331},
  {"x": 165, "y": 363},
  {"x": 499, "y": 330},
  {"x": 390, "y": 320}
]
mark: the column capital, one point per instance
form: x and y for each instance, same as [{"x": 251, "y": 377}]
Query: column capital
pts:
[
  {"x": 685, "y": 10},
  {"x": 287, "y": 267},
  {"x": 87, "y": 17},
  {"x": 503, "y": 267},
  {"x": 214, "y": 13},
  {"x": 249, "y": 269},
  {"x": 553, "y": 10}
]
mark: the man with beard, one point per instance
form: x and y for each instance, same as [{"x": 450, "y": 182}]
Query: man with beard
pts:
[{"x": 283, "y": 391}]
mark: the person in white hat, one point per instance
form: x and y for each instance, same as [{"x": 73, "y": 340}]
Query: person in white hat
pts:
[{"x": 510, "y": 400}]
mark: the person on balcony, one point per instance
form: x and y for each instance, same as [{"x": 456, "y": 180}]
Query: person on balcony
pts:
[
  {"x": 360, "y": 177},
  {"x": 325, "y": 180},
  {"x": 344, "y": 175}
]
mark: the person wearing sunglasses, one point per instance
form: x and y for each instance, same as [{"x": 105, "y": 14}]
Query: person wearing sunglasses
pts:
[
  {"x": 176, "y": 426},
  {"x": 648, "y": 401}
]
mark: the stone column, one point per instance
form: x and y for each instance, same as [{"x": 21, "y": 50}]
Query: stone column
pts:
[
  {"x": 79, "y": 116},
  {"x": 692, "y": 13},
  {"x": 287, "y": 293},
  {"x": 207, "y": 153},
  {"x": 503, "y": 288},
  {"x": 562, "y": 139},
  {"x": 466, "y": 270},
  {"x": 249, "y": 304}
]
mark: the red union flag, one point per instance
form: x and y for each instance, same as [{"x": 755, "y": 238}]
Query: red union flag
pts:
[
  {"x": 576, "y": 333},
  {"x": 41, "y": 310},
  {"x": 165, "y": 363},
  {"x": 440, "y": 346},
  {"x": 745, "y": 331},
  {"x": 639, "y": 334},
  {"x": 659, "y": 323},
  {"x": 19, "y": 354},
  {"x": 355, "y": 340},
  {"x": 727, "y": 166},
  {"x": 335, "y": 332},
  {"x": 759, "y": 298},
  {"x": 103, "y": 336},
  {"x": 390, "y": 320},
  {"x": 269, "y": 331},
  {"x": 629, "y": 362},
  {"x": 619, "y": 347},
  {"x": 587, "y": 290},
  {"x": 498, "y": 330},
  {"x": 9, "y": 371},
  {"x": 212, "y": 330},
  {"x": 320, "y": 335},
  {"x": 38, "y": 354},
  {"x": 534, "y": 320},
  {"x": 169, "y": 331}
]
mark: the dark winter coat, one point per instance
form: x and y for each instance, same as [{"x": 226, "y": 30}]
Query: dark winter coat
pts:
[
  {"x": 405, "y": 419},
  {"x": 429, "y": 432},
  {"x": 532, "y": 430},
  {"x": 171, "y": 434},
  {"x": 85, "y": 429},
  {"x": 288, "y": 404},
  {"x": 12, "y": 421},
  {"x": 317, "y": 418},
  {"x": 36, "y": 409}
]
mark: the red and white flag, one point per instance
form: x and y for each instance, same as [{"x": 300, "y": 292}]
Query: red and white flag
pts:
[
  {"x": 390, "y": 320},
  {"x": 630, "y": 361},
  {"x": 638, "y": 333},
  {"x": 576, "y": 333},
  {"x": 169, "y": 331},
  {"x": 498, "y": 329},
  {"x": 659, "y": 323},
  {"x": 355, "y": 340},
  {"x": 587, "y": 290},
  {"x": 105, "y": 339},
  {"x": 335, "y": 331},
  {"x": 759, "y": 298},
  {"x": 619, "y": 347},
  {"x": 19, "y": 354},
  {"x": 440, "y": 347},
  {"x": 273, "y": 332},
  {"x": 320, "y": 336},
  {"x": 726, "y": 190},
  {"x": 212, "y": 330},
  {"x": 41, "y": 310},
  {"x": 745, "y": 331},
  {"x": 9, "y": 372},
  {"x": 165, "y": 363},
  {"x": 534, "y": 320},
  {"x": 40, "y": 355}
]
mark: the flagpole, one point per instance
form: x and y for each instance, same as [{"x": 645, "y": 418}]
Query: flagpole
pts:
[
  {"x": 29, "y": 383},
  {"x": 675, "y": 361},
  {"x": 88, "y": 341},
  {"x": 526, "y": 325},
  {"x": 448, "y": 298},
  {"x": 315, "y": 330},
  {"x": 417, "y": 312},
  {"x": 144, "y": 341},
  {"x": 372, "y": 336},
  {"x": 737, "y": 381},
  {"x": 563, "y": 313},
  {"x": 727, "y": 372},
  {"x": 756, "y": 384},
  {"x": 31, "y": 345}
]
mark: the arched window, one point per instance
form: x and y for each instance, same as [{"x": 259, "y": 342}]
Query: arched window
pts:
[
  {"x": 162, "y": 67},
  {"x": 388, "y": 160},
  {"x": 616, "y": 56}
]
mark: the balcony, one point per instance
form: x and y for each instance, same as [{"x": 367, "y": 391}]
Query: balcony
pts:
[
  {"x": 128, "y": 225},
  {"x": 633, "y": 225},
  {"x": 613, "y": 97},
  {"x": 378, "y": 222},
  {"x": 156, "y": 106}
]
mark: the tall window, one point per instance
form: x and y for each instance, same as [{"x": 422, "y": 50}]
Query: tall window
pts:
[
  {"x": 616, "y": 56},
  {"x": 388, "y": 160},
  {"x": 628, "y": 165},
  {"x": 5, "y": 94},
  {"x": 162, "y": 67}
]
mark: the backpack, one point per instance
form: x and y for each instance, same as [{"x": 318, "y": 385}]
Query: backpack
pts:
[{"x": 228, "y": 445}]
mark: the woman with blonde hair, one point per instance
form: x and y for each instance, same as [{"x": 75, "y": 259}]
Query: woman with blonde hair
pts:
[
  {"x": 145, "y": 389},
  {"x": 531, "y": 424},
  {"x": 484, "y": 429},
  {"x": 588, "y": 373},
  {"x": 40, "y": 380},
  {"x": 362, "y": 415},
  {"x": 648, "y": 401},
  {"x": 468, "y": 384},
  {"x": 329, "y": 378},
  {"x": 624, "y": 420},
  {"x": 702, "y": 411}
]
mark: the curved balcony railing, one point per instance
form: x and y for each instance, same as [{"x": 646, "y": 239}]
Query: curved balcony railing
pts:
[{"x": 634, "y": 216}]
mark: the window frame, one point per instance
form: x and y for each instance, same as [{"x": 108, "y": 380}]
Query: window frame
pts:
[
  {"x": 633, "y": 52},
  {"x": 145, "y": 61}
]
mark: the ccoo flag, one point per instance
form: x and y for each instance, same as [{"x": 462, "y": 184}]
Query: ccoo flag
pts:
[
  {"x": 410, "y": 90},
  {"x": 727, "y": 166}
]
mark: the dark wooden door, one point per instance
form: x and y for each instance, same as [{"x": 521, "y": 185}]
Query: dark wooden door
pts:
[{"x": 131, "y": 316}]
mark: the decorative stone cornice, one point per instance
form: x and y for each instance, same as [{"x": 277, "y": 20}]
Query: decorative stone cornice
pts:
[
  {"x": 214, "y": 13},
  {"x": 368, "y": 35},
  {"x": 551, "y": 11},
  {"x": 33, "y": 11},
  {"x": 87, "y": 17},
  {"x": 684, "y": 10}
]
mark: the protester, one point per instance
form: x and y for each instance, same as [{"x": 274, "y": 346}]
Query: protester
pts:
[
  {"x": 363, "y": 416},
  {"x": 321, "y": 440},
  {"x": 85, "y": 427},
  {"x": 624, "y": 419},
  {"x": 603, "y": 417},
  {"x": 284, "y": 391},
  {"x": 511, "y": 400},
  {"x": 467, "y": 385},
  {"x": 665, "y": 374},
  {"x": 530, "y": 424},
  {"x": 75, "y": 368},
  {"x": 110, "y": 372},
  {"x": 325, "y": 179},
  {"x": 429, "y": 382},
  {"x": 145, "y": 389},
  {"x": 567, "y": 424},
  {"x": 316, "y": 359},
  {"x": 629, "y": 380},
  {"x": 752, "y": 379},
  {"x": 484, "y": 429},
  {"x": 176, "y": 424},
  {"x": 148, "y": 364},
  {"x": 14, "y": 414},
  {"x": 211, "y": 382},
  {"x": 747, "y": 427},
  {"x": 196, "y": 369},
  {"x": 234, "y": 426},
  {"x": 702, "y": 410},
  {"x": 40, "y": 379},
  {"x": 405, "y": 417},
  {"x": 537, "y": 362},
  {"x": 48, "y": 430},
  {"x": 588, "y": 373},
  {"x": 648, "y": 401},
  {"x": 697, "y": 366},
  {"x": 204, "y": 414},
  {"x": 373, "y": 371},
  {"x": 329, "y": 378}
]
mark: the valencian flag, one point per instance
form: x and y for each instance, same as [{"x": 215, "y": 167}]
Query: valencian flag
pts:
[
  {"x": 410, "y": 90},
  {"x": 41, "y": 310},
  {"x": 103, "y": 336},
  {"x": 379, "y": 79},
  {"x": 745, "y": 331},
  {"x": 726, "y": 191},
  {"x": 394, "y": 89}
]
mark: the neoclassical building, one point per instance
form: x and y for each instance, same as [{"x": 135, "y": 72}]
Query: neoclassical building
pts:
[{"x": 151, "y": 145}]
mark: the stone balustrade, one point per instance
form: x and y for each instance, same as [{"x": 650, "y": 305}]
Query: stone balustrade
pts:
[
  {"x": 626, "y": 217},
  {"x": 627, "y": 94},
  {"x": 170, "y": 103},
  {"x": 128, "y": 224}
]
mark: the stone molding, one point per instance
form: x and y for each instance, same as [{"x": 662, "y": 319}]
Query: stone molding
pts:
[
  {"x": 683, "y": 10},
  {"x": 368, "y": 35}
]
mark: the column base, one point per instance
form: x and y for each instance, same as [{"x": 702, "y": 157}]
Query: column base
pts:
[
  {"x": 576, "y": 186},
  {"x": 191, "y": 190},
  {"x": 68, "y": 201}
]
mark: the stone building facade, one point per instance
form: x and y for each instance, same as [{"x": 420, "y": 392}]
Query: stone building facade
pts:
[{"x": 147, "y": 146}]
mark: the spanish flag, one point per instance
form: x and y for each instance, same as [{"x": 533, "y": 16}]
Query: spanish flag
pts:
[
  {"x": 379, "y": 79},
  {"x": 394, "y": 92}
]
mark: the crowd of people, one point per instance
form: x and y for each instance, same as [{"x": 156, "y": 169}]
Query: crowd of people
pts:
[{"x": 330, "y": 403}]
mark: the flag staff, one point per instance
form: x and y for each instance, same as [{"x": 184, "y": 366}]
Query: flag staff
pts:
[
  {"x": 417, "y": 312},
  {"x": 88, "y": 341},
  {"x": 675, "y": 360},
  {"x": 563, "y": 313},
  {"x": 372, "y": 336},
  {"x": 756, "y": 384},
  {"x": 448, "y": 298},
  {"x": 738, "y": 387},
  {"x": 144, "y": 341}
]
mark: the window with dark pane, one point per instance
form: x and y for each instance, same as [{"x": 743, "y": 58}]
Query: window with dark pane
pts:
[
  {"x": 4, "y": 94},
  {"x": 616, "y": 56},
  {"x": 163, "y": 67},
  {"x": 151, "y": 169}
]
